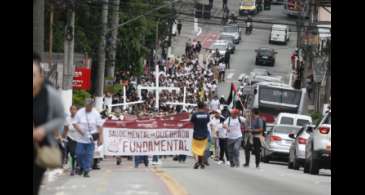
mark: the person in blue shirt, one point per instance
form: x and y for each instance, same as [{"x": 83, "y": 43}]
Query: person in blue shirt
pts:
[{"x": 200, "y": 120}]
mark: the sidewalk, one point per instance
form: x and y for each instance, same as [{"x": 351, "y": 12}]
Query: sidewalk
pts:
[{"x": 110, "y": 180}]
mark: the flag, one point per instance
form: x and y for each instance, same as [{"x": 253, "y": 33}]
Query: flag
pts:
[{"x": 231, "y": 101}]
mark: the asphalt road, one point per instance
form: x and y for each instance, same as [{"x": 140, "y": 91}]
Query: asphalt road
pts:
[
  {"x": 243, "y": 60},
  {"x": 271, "y": 179},
  {"x": 180, "y": 178}
]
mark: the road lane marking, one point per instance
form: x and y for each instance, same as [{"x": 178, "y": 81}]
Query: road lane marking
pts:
[
  {"x": 230, "y": 75},
  {"x": 241, "y": 76},
  {"x": 173, "y": 186}
]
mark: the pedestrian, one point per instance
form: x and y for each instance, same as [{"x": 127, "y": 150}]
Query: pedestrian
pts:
[
  {"x": 234, "y": 136},
  {"x": 309, "y": 87},
  {"x": 214, "y": 103},
  {"x": 48, "y": 115},
  {"x": 200, "y": 120},
  {"x": 188, "y": 48},
  {"x": 198, "y": 47},
  {"x": 224, "y": 4},
  {"x": 227, "y": 57},
  {"x": 256, "y": 130},
  {"x": 222, "y": 101},
  {"x": 72, "y": 136},
  {"x": 222, "y": 139},
  {"x": 211, "y": 4},
  {"x": 214, "y": 126},
  {"x": 179, "y": 27},
  {"x": 222, "y": 68},
  {"x": 89, "y": 124}
]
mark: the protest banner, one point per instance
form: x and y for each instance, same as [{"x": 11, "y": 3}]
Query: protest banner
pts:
[{"x": 151, "y": 136}]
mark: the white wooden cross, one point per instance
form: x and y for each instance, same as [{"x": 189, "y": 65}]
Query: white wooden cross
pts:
[
  {"x": 156, "y": 88},
  {"x": 184, "y": 104},
  {"x": 125, "y": 103}
]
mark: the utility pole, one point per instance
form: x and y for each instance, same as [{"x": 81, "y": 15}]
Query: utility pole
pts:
[
  {"x": 38, "y": 26},
  {"x": 115, "y": 22},
  {"x": 101, "y": 57},
  {"x": 68, "y": 66}
]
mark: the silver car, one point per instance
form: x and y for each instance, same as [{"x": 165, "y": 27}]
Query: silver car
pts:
[
  {"x": 233, "y": 30},
  {"x": 297, "y": 149},
  {"x": 277, "y": 143}
]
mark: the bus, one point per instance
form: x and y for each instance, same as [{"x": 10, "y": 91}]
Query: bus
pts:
[
  {"x": 295, "y": 8},
  {"x": 248, "y": 7},
  {"x": 272, "y": 98}
]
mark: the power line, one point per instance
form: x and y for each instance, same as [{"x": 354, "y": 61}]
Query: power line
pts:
[
  {"x": 254, "y": 21},
  {"x": 143, "y": 15}
]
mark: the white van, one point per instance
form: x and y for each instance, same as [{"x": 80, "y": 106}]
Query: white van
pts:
[
  {"x": 279, "y": 34},
  {"x": 293, "y": 119}
]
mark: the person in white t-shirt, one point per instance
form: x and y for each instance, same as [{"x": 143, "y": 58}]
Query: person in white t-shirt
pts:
[
  {"x": 89, "y": 124},
  {"x": 214, "y": 103},
  {"x": 72, "y": 137},
  {"x": 213, "y": 124},
  {"x": 222, "y": 137},
  {"x": 222, "y": 68},
  {"x": 234, "y": 135}
]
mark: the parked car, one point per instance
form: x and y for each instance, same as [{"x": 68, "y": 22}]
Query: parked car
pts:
[
  {"x": 265, "y": 56},
  {"x": 230, "y": 40},
  {"x": 293, "y": 119},
  {"x": 297, "y": 149},
  {"x": 277, "y": 143},
  {"x": 279, "y": 34},
  {"x": 318, "y": 147},
  {"x": 233, "y": 30}
]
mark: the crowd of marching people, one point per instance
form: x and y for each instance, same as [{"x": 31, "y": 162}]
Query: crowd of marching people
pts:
[
  {"x": 81, "y": 131},
  {"x": 198, "y": 76}
]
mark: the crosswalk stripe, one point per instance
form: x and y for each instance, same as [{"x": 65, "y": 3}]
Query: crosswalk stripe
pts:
[
  {"x": 241, "y": 75},
  {"x": 230, "y": 75}
]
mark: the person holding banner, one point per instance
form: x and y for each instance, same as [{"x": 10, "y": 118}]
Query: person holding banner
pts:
[{"x": 200, "y": 120}]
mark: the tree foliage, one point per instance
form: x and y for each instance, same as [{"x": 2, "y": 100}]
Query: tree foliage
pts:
[{"x": 135, "y": 39}]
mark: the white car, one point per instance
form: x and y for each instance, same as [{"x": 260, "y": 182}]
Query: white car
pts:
[
  {"x": 297, "y": 149},
  {"x": 221, "y": 46},
  {"x": 293, "y": 119},
  {"x": 318, "y": 148},
  {"x": 279, "y": 34}
]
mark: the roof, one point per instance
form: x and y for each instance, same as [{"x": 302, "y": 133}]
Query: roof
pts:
[
  {"x": 280, "y": 26},
  {"x": 275, "y": 84},
  {"x": 266, "y": 48},
  {"x": 297, "y": 115},
  {"x": 221, "y": 42}
]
